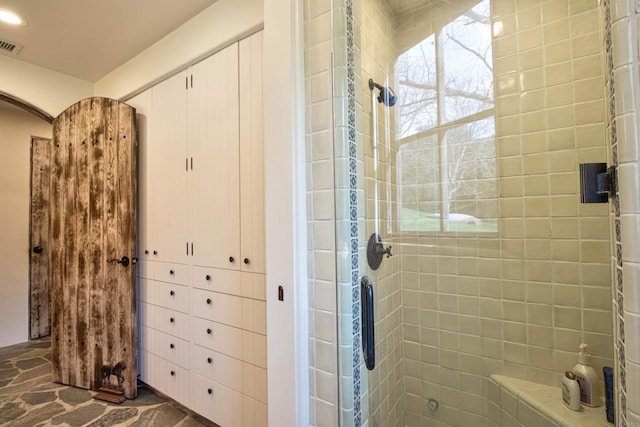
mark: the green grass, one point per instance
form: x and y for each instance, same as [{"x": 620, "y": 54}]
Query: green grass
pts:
[{"x": 415, "y": 220}]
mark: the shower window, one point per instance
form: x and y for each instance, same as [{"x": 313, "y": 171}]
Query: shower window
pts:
[{"x": 446, "y": 129}]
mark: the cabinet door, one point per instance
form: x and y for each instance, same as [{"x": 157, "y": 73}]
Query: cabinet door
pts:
[
  {"x": 143, "y": 105},
  {"x": 167, "y": 162},
  {"x": 252, "y": 156},
  {"x": 214, "y": 175}
]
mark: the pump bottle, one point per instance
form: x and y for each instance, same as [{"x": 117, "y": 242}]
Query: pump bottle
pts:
[{"x": 587, "y": 379}]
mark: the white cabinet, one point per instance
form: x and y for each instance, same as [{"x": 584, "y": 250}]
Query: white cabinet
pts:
[
  {"x": 162, "y": 177},
  {"x": 201, "y": 273},
  {"x": 252, "y": 232},
  {"x": 214, "y": 145}
]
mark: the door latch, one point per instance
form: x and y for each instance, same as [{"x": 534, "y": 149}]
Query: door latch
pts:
[{"x": 124, "y": 261}]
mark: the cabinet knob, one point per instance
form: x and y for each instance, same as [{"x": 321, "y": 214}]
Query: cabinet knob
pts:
[
  {"x": 231, "y": 259},
  {"x": 209, "y": 360},
  {"x": 209, "y": 391},
  {"x": 246, "y": 260},
  {"x": 173, "y": 373},
  {"x": 208, "y": 300},
  {"x": 207, "y": 278},
  {"x": 172, "y": 320},
  {"x": 146, "y": 252},
  {"x": 171, "y": 272},
  {"x": 171, "y": 346},
  {"x": 172, "y": 293},
  {"x": 155, "y": 252},
  {"x": 209, "y": 331}
]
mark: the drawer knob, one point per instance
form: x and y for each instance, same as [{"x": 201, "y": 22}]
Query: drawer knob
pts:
[
  {"x": 171, "y": 345},
  {"x": 208, "y": 300},
  {"x": 209, "y": 391},
  {"x": 207, "y": 277},
  {"x": 171, "y": 272},
  {"x": 172, "y": 293},
  {"x": 231, "y": 259},
  {"x": 246, "y": 260},
  {"x": 209, "y": 331},
  {"x": 173, "y": 373},
  {"x": 155, "y": 252},
  {"x": 209, "y": 360},
  {"x": 146, "y": 252},
  {"x": 172, "y": 320}
]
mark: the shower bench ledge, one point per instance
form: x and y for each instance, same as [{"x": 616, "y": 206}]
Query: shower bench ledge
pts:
[{"x": 537, "y": 405}]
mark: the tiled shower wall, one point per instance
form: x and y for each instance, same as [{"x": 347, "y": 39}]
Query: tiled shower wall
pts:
[
  {"x": 519, "y": 302},
  {"x": 623, "y": 83},
  {"x": 376, "y": 25},
  {"x": 323, "y": 310},
  {"x": 501, "y": 325}
]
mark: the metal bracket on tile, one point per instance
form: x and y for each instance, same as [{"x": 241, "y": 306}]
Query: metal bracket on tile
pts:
[{"x": 597, "y": 182}]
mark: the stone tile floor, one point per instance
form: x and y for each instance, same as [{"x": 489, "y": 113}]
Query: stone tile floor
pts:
[{"x": 28, "y": 397}]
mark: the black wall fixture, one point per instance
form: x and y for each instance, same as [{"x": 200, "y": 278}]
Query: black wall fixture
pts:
[
  {"x": 376, "y": 251},
  {"x": 368, "y": 336},
  {"x": 597, "y": 182}
]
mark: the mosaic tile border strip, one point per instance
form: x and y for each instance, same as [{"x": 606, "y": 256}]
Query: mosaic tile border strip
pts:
[
  {"x": 621, "y": 394},
  {"x": 353, "y": 214}
]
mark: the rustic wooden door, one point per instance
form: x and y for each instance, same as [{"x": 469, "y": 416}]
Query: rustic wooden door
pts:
[
  {"x": 40, "y": 323},
  {"x": 92, "y": 239}
]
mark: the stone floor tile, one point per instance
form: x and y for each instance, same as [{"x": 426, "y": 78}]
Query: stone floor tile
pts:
[
  {"x": 30, "y": 363},
  {"x": 38, "y": 398},
  {"x": 10, "y": 411},
  {"x": 145, "y": 398},
  {"x": 43, "y": 413},
  {"x": 74, "y": 396},
  {"x": 115, "y": 417},
  {"x": 80, "y": 416}
]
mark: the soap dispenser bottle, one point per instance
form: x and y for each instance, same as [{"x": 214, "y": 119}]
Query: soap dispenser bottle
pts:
[{"x": 587, "y": 379}]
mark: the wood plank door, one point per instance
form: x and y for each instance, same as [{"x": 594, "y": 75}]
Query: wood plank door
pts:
[
  {"x": 39, "y": 320},
  {"x": 93, "y": 217}
]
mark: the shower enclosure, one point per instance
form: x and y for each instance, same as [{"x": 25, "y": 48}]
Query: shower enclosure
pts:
[{"x": 454, "y": 131}]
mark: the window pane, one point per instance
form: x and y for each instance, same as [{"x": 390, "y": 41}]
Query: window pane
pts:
[
  {"x": 468, "y": 67},
  {"x": 417, "y": 109},
  {"x": 470, "y": 196}
]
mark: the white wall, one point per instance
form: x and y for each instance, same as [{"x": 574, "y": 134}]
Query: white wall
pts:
[
  {"x": 48, "y": 90},
  {"x": 16, "y": 129},
  {"x": 217, "y": 26}
]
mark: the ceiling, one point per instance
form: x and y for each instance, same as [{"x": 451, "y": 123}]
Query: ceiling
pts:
[{"x": 89, "y": 38}]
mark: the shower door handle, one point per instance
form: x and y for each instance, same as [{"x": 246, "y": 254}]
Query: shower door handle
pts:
[{"x": 368, "y": 337}]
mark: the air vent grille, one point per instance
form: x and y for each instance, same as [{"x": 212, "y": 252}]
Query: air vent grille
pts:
[{"x": 9, "y": 47}]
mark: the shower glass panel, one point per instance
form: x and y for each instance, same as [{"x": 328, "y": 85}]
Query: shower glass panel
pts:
[{"x": 470, "y": 176}]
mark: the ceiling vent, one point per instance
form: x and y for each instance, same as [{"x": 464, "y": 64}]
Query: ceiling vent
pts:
[{"x": 9, "y": 47}]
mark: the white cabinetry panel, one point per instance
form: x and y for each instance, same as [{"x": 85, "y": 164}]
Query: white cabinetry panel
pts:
[
  {"x": 213, "y": 141},
  {"x": 252, "y": 230},
  {"x": 201, "y": 269}
]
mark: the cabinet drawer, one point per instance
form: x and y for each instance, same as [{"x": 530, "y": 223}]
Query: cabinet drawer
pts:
[
  {"x": 163, "y": 271},
  {"x": 163, "y": 319},
  {"x": 171, "y": 348},
  {"x": 168, "y": 295},
  {"x": 216, "y": 402},
  {"x": 217, "y": 279},
  {"x": 216, "y": 336},
  {"x": 165, "y": 376},
  {"x": 172, "y": 273},
  {"x": 217, "y": 367},
  {"x": 221, "y": 308},
  {"x": 249, "y": 285}
]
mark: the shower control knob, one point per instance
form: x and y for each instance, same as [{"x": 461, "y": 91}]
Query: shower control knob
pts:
[{"x": 433, "y": 404}]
